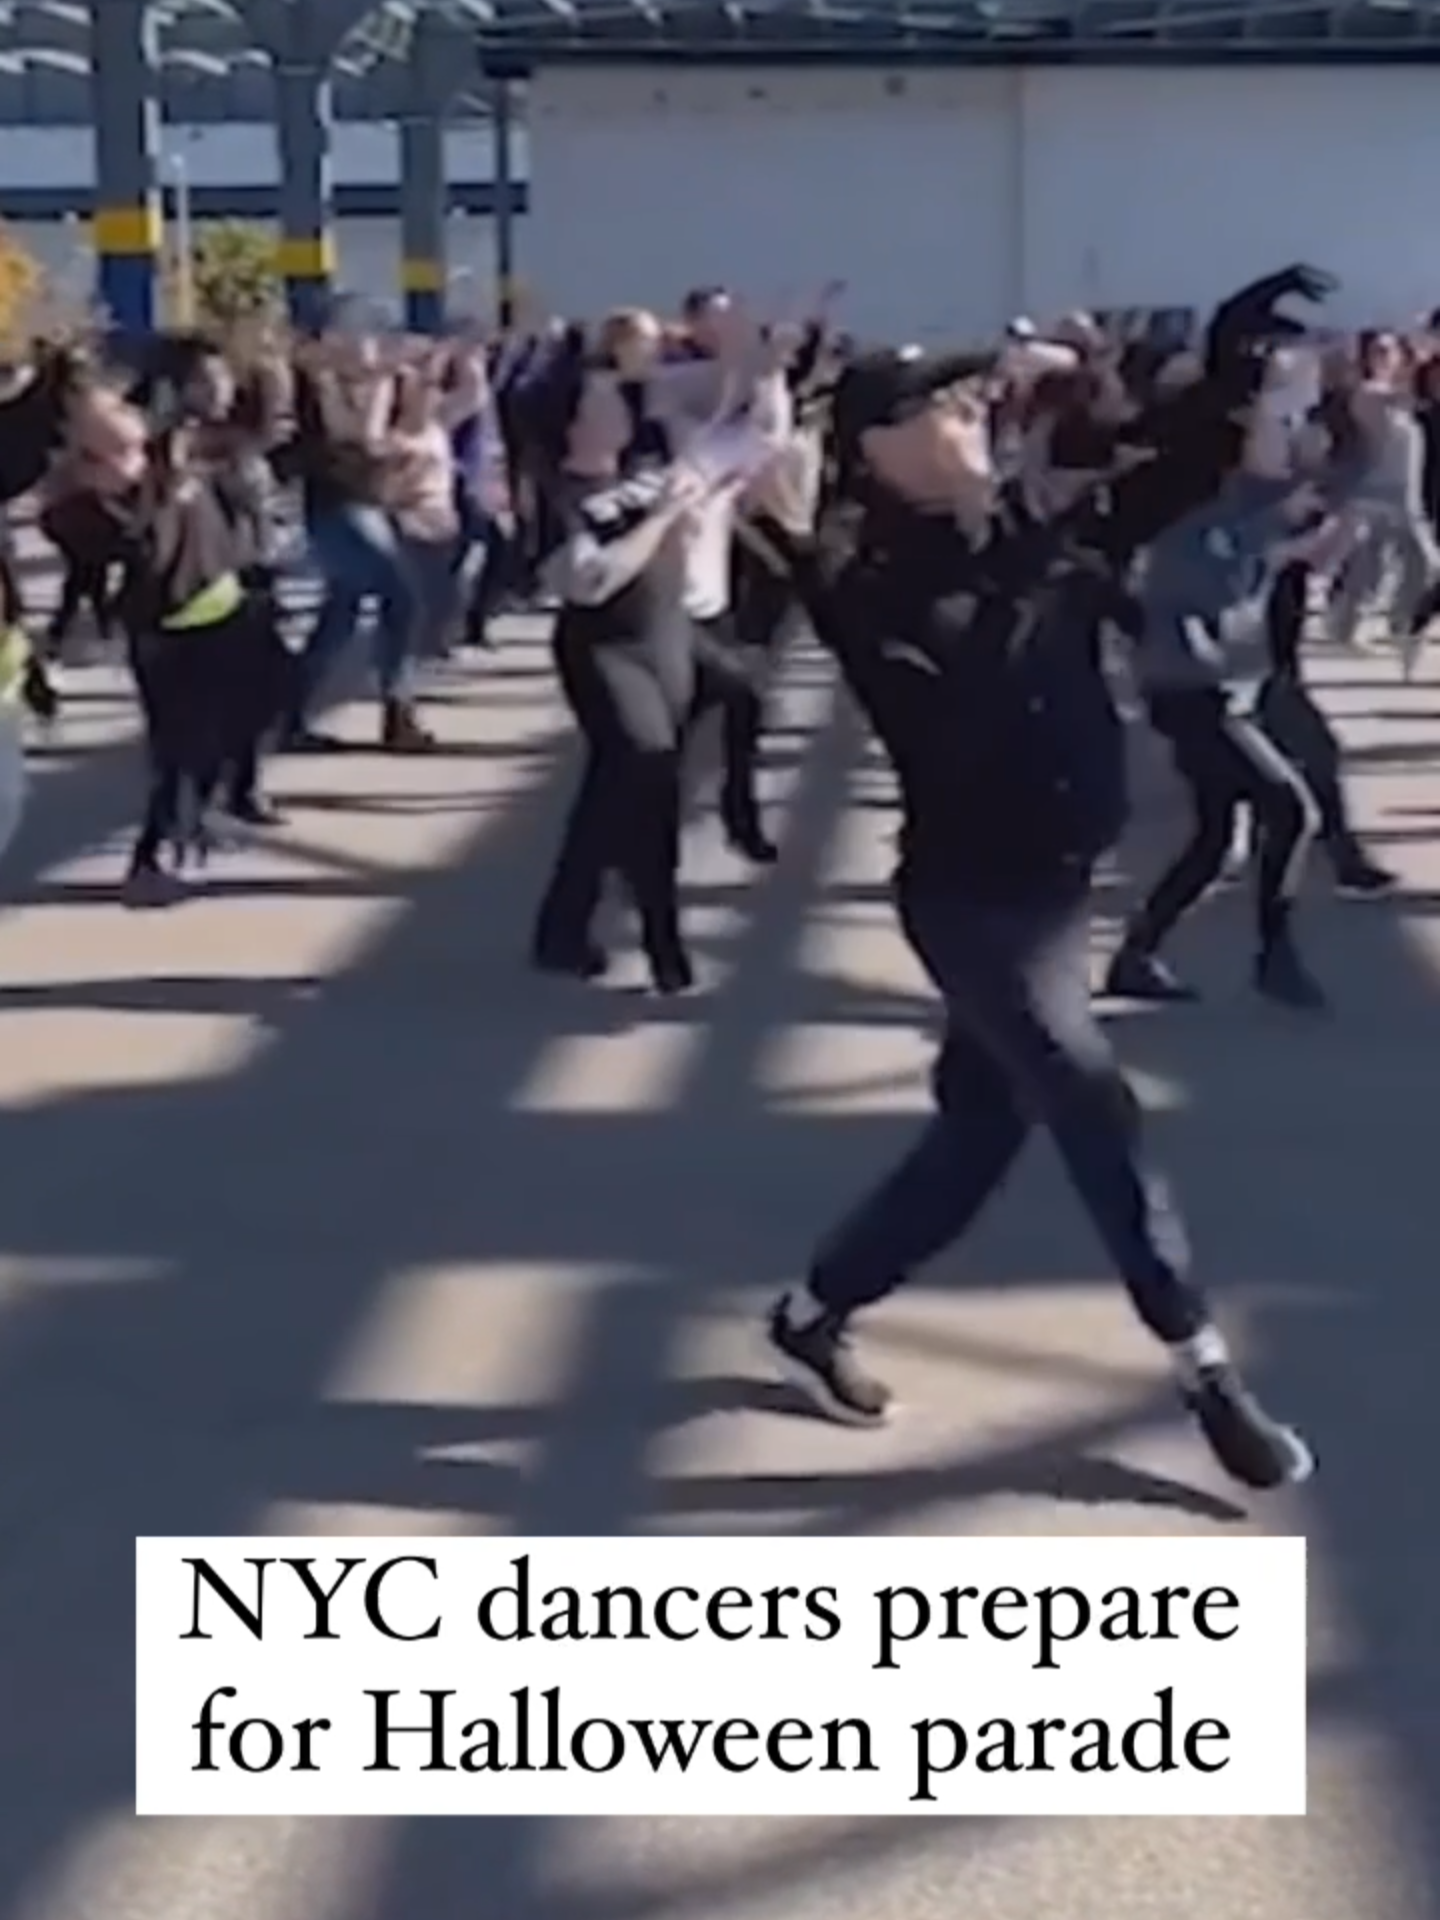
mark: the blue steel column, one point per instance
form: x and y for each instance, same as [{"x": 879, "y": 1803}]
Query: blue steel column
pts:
[
  {"x": 442, "y": 61},
  {"x": 301, "y": 37},
  {"x": 307, "y": 190},
  {"x": 503, "y": 147},
  {"x": 124, "y": 63}
]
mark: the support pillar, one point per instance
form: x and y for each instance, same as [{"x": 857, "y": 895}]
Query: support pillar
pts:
[
  {"x": 441, "y": 64},
  {"x": 128, "y": 227},
  {"x": 301, "y": 37},
  {"x": 503, "y": 138},
  {"x": 424, "y": 268},
  {"x": 307, "y": 191}
]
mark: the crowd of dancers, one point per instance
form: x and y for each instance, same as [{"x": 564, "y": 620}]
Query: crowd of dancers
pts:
[{"x": 986, "y": 543}]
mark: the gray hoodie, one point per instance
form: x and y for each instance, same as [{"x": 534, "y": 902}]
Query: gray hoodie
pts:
[{"x": 1201, "y": 588}]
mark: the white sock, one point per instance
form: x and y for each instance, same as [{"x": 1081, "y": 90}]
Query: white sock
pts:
[{"x": 1199, "y": 1354}]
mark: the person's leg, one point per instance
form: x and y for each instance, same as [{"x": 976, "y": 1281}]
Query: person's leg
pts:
[
  {"x": 1193, "y": 724},
  {"x": 432, "y": 566},
  {"x": 1289, "y": 715},
  {"x": 1286, "y": 822},
  {"x": 74, "y": 590},
  {"x": 563, "y": 939},
  {"x": 762, "y": 599},
  {"x": 1023, "y": 1044},
  {"x": 1355, "y": 585},
  {"x": 340, "y": 557},
  {"x": 397, "y": 595},
  {"x": 742, "y": 720},
  {"x": 159, "y": 667},
  {"x": 1417, "y": 568},
  {"x": 495, "y": 582},
  {"x": 728, "y": 678},
  {"x": 263, "y": 669},
  {"x": 649, "y": 860}
]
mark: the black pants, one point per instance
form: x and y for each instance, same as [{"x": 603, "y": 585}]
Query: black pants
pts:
[
  {"x": 85, "y": 581},
  {"x": 1021, "y": 1046},
  {"x": 177, "y": 678},
  {"x": 1296, "y": 723},
  {"x": 503, "y": 577},
  {"x": 631, "y": 700},
  {"x": 1227, "y": 760},
  {"x": 729, "y": 676},
  {"x": 206, "y": 696}
]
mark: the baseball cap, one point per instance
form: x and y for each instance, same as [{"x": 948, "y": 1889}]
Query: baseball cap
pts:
[{"x": 881, "y": 389}]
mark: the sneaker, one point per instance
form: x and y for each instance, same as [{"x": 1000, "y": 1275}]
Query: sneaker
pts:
[
  {"x": 746, "y": 836},
  {"x": 1143, "y": 976},
  {"x": 580, "y": 961},
  {"x": 815, "y": 1355},
  {"x": 1282, "y": 977},
  {"x": 1251, "y": 1447},
  {"x": 1364, "y": 880},
  {"x": 298, "y": 737},
  {"x": 148, "y": 889},
  {"x": 672, "y": 972}
]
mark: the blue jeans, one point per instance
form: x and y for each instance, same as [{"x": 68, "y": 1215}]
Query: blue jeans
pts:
[
  {"x": 1021, "y": 1046},
  {"x": 358, "y": 555},
  {"x": 431, "y": 564}
]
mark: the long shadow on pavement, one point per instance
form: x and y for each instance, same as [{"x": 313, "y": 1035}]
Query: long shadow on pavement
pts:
[{"x": 239, "y": 1232}]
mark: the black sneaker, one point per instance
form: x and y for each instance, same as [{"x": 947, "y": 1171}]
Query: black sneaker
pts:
[
  {"x": 1250, "y": 1446},
  {"x": 1364, "y": 880},
  {"x": 1143, "y": 976},
  {"x": 1282, "y": 977},
  {"x": 299, "y": 737},
  {"x": 816, "y": 1356},
  {"x": 749, "y": 839},
  {"x": 250, "y": 810},
  {"x": 579, "y": 961}
]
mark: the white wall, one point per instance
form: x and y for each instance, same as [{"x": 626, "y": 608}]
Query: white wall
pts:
[
  {"x": 369, "y": 260},
  {"x": 240, "y": 154},
  {"x": 953, "y": 200}
]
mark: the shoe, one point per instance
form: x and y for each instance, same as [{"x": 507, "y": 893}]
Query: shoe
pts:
[
  {"x": 1364, "y": 880},
  {"x": 671, "y": 973},
  {"x": 149, "y": 888},
  {"x": 1282, "y": 977},
  {"x": 401, "y": 731},
  {"x": 1251, "y": 1447},
  {"x": 1134, "y": 975},
  {"x": 581, "y": 962},
  {"x": 750, "y": 840},
  {"x": 298, "y": 737},
  {"x": 249, "y": 810},
  {"x": 815, "y": 1355}
]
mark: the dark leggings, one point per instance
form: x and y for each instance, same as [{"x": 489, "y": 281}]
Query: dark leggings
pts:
[
  {"x": 630, "y": 702},
  {"x": 1293, "y": 720},
  {"x": 85, "y": 581},
  {"x": 1227, "y": 760},
  {"x": 206, "y": 696}
]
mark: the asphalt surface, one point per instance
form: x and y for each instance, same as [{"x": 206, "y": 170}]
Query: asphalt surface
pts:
[{"x": 319, "y": 1214}]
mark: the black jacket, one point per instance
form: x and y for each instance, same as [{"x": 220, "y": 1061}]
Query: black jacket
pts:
[{"x": 980, "y": 671}]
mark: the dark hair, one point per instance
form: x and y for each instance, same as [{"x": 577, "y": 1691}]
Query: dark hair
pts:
[{"x": 699, "y": 299}]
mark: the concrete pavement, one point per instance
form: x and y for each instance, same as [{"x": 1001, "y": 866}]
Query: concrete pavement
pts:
[{"x": 317, "y": 1213}]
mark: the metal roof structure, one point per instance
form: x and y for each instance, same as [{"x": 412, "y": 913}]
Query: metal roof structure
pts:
[{"x": 213, "y": 71}]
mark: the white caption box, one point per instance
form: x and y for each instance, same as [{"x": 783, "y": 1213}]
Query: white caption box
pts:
[{"x": 764, "y": 1676}]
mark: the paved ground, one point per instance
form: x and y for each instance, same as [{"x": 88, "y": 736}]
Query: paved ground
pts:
[{"x": 317, "y": 1213}]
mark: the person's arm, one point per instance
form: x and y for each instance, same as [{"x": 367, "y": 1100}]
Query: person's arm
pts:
[
  {"x": 589, "y": 569},
  {"x": 467, "y": 397},
  {"x": 375, "y": 410}
]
